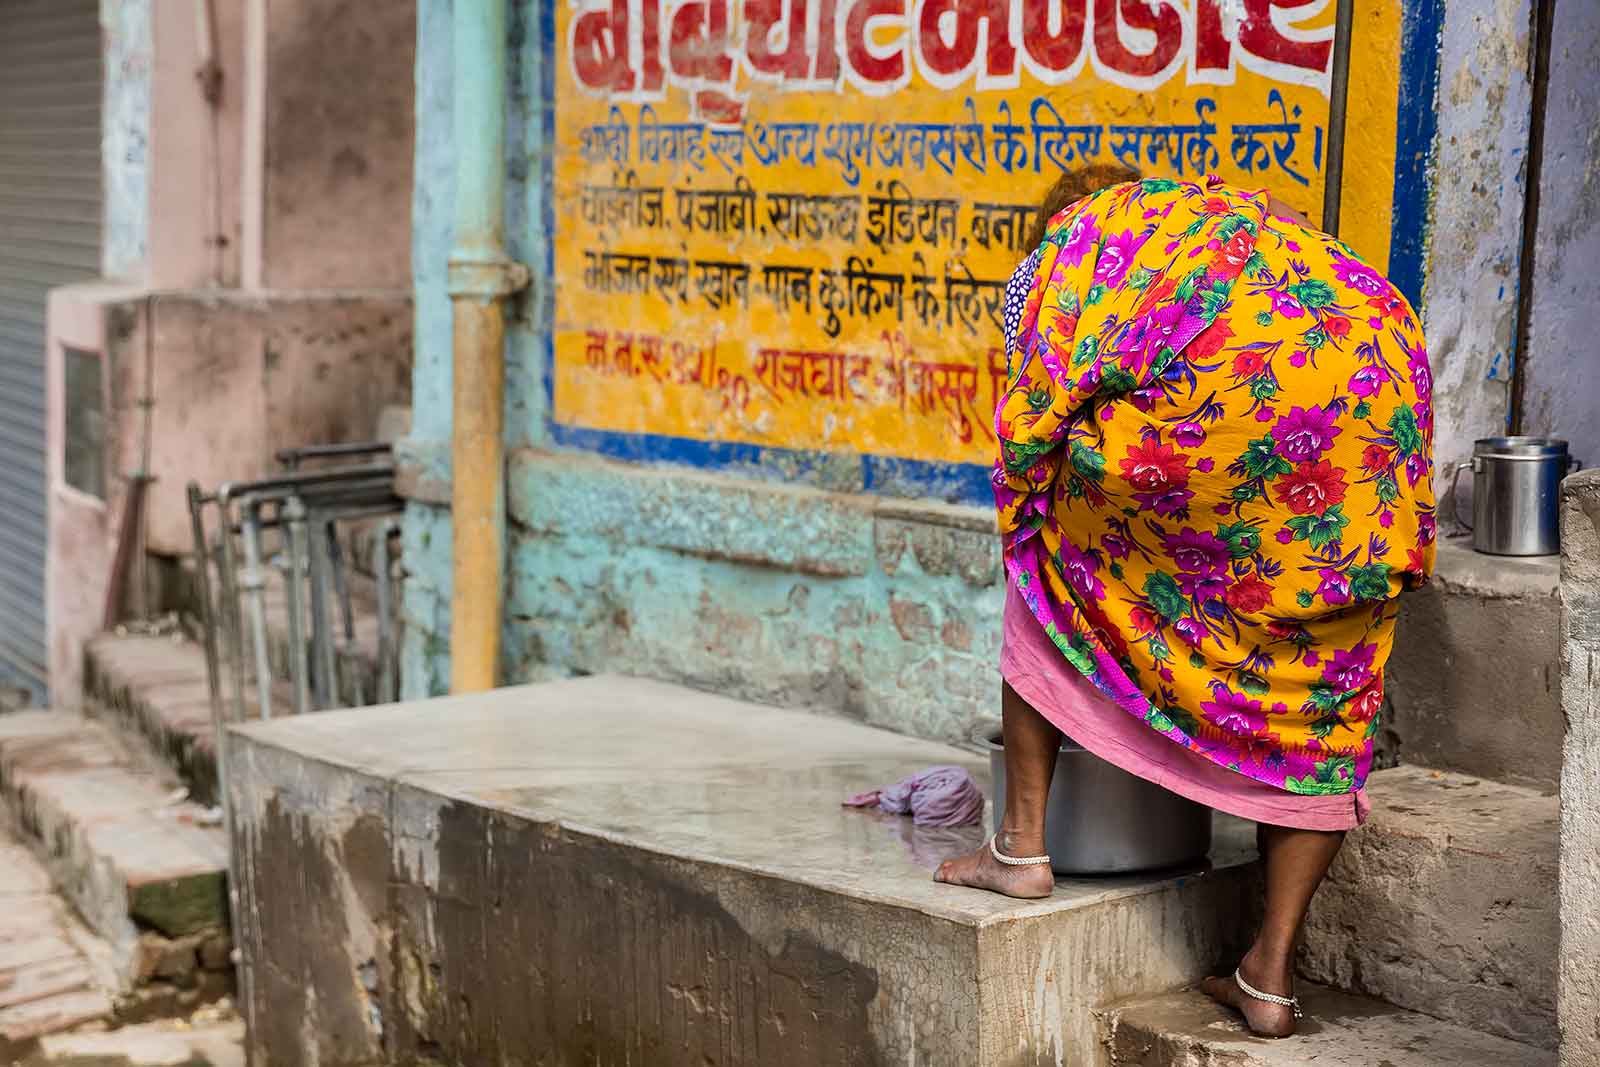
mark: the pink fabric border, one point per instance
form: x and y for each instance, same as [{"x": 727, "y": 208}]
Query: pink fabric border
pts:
[{"x": 1041, "y": 675}]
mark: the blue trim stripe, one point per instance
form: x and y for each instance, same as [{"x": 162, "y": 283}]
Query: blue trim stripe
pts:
[
  {"x": 955, "y": 483},
  {"x": 1414, "y": 143}
]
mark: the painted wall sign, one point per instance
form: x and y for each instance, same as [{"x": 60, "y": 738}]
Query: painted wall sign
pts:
[{"x": 788, "y": 223}]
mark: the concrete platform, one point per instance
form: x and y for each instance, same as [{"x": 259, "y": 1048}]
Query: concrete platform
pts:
[
  {"x": 1445, "y": 903},
  {"x": 1340, "y": 1030},
  {"x": 619, "y": 871}
]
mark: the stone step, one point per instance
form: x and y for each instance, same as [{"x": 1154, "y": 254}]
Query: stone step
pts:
[
  {"x": 54, "y": 975},
  {"x": 1445, "y": 902},
  {"x": 1340, "y": 1030},
  {"x": 185, "y": 1043},
  {"x": 1473, "y": 679},
  {"x": 144, "y": 867},
  {"x": 687, "y": 859},
  {"x": 156, "y": 685}
]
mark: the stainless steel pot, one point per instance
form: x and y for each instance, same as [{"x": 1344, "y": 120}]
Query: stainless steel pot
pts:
[
  {"x": 1516, "y": 485},
  {"x": 1099, "y": 819}
]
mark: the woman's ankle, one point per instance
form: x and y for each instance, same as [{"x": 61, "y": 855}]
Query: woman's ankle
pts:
[
  {"x": 1020, "y": 841},
  {"x": 1270, "y": 970}
]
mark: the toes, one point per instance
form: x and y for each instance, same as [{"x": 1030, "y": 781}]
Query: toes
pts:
[{"x": 1223, "y": 991}]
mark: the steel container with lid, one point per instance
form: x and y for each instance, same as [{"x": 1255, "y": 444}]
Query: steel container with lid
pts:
[
  {"x": 1099, "y": 819},
  {"x": 1516, "y": 484}
]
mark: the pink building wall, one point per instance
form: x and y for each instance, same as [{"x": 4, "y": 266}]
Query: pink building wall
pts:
[{"x": 272, "y": 306}]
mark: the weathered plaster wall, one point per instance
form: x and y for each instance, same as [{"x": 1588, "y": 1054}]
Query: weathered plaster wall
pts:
[
  {"x": 1579, "y": 990},
  {"x": 1470, "y": 295},
  {"x": 196, "y": 201},
  {"x": 125, "y": 137},
  {"x": 238, "y": 377},
  {"x": 337, "y": 132},
  {"x": 1562, "y": 366}
]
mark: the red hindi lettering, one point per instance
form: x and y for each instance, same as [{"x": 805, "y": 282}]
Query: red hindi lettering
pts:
[
  {"x": 1059, "y": 50},
  {"x": 857, "y": 49},
  {"x": 600, "y": 48},
  {"x": 950, "y": 59},
  {"x": 792, "y": 63},
  {"x": 698, "y": 53},
  {"x": 1212, "y": 49},
  {"x": 1259, "y": 37},
  {"x": 650, "y": 34},
  {"x": 827, "y": 50},
  {"x": 1156, "y": 16}
]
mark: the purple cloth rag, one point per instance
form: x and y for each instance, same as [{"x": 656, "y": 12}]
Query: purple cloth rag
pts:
[{"x": 938, "y": 796}]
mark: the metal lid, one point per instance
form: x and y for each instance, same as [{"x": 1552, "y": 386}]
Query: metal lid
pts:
[{"x": 1520, "y": 447}]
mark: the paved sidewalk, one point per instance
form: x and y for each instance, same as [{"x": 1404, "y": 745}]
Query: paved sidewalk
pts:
[{"x": 52, "y": 977}]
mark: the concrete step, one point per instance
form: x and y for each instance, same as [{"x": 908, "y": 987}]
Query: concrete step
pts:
[
  {"x": 686, "y": 859},
  {"x": 144, "y": 867},
  {"x": 156, "y": 686},
  {"x": 54, "y": 974},
  {"x": 1340, "y": 1030},
  {"x": 1446, "y": 903},
  {"x": 1472, "y": 682}
]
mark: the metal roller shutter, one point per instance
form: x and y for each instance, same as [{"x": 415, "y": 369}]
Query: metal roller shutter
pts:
[{"x": 50, "y": 76}]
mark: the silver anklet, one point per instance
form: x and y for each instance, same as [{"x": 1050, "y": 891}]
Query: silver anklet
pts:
[
  {"x": 1270, "y": 998},
  {"x": 1014, "y": 861}
]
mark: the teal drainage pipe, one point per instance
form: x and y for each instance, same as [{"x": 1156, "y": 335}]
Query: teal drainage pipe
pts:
[{"x": 481, "y": 277}]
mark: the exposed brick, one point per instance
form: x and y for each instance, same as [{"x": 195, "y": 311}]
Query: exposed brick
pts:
[
  {"x": 216, "y": 953},
  {"x": 913, "y": 619},
  {"x": 167, "y": 958},
  {"x": 957, "y": 634}
]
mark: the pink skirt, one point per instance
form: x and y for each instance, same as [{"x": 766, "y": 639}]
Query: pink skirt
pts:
[{"x": 1041, "y": 675}]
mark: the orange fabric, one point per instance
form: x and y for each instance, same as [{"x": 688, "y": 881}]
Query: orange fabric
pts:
[{"x": 1215, "y": 472}]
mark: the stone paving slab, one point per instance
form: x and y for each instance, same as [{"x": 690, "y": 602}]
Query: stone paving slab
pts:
[
  {"x": 120, "y": 841},
  {"x": 23, "y": 1024},
  {"x": 49, "y": 977},
  {"x": 1445, "y": 902},
  {"x": 165, "y": 1044},
  {"x": 1340, "y": 1030}
]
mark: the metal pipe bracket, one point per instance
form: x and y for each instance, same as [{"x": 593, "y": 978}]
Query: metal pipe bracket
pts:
[{"x": 487, "y": 279}]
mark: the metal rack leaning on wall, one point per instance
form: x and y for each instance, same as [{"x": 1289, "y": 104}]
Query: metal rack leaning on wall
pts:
[
  {"x": 303, "y": 530},
  {"x": 324, "y": 492}
]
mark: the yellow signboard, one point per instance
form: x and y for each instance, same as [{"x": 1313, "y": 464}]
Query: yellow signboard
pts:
[{"x": 789, "y": 223}]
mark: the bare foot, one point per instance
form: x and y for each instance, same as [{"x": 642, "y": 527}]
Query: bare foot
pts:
[
  {"x": 1263, "y": 1018},
  {"x": 980, "y": 870}
]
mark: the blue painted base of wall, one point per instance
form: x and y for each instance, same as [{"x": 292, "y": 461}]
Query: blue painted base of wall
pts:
[{"x": 883, "y": 611}]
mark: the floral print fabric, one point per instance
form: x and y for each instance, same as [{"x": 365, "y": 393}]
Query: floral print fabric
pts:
[{"x": 1215, "y": 472}]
